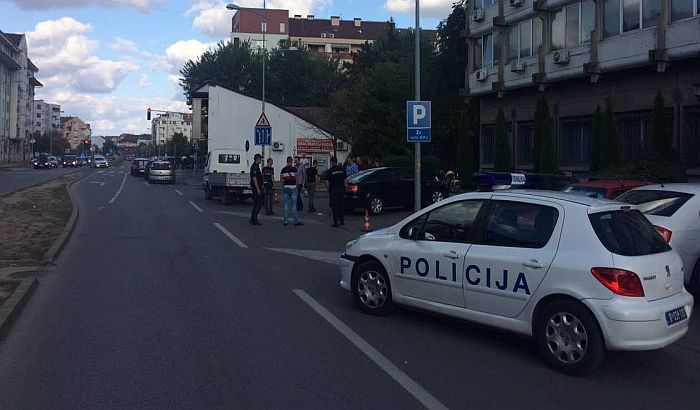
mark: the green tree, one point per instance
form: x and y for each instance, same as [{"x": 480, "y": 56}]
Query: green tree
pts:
[
  {"x": 108, "y": 146},
  {"x": 597, "y": 140},
  {"x": 661, "y": 142},
  {"x": 467, "y": 162},
  {"x": 611, "y": 153},
  {"x": 501, "y": 158},
  {"x": 543, "y": 144}
]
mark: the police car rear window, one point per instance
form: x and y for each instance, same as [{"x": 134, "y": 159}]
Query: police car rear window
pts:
[
  {"x": 229, "y": 159},
  {"x": 627, "y": 233}
]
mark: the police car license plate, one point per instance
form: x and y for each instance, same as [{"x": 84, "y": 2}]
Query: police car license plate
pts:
[{"x": 675, "y": 316}]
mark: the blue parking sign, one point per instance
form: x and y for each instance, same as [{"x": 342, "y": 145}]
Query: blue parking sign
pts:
[{"x": 418, "y": 121}]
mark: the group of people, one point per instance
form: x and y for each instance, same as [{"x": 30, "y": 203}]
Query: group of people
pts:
[
  {"x": 352, "y": 166},
  {"x": 296, "y": 175}
]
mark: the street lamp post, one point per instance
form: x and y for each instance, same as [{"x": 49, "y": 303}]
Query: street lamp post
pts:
[
  {"x": 417, "y": 182},
  {"x": 232, "y": 6}
]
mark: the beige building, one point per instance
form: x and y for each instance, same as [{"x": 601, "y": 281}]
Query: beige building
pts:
[
  {"x": 17, "y": 82},
  {"x": 75, "y": 130},
  {"x": 166, "y": 125}
]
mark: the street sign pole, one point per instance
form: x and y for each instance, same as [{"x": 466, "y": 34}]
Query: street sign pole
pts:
[
  {"x": 264, "y": 56},
  {"x": 417, "y": 183}
]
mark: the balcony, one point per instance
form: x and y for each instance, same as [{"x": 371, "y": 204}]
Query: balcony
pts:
[
  {"x": 683, "y": 38},
  {"x": 485, "y": 85},
  {"x": 627, "y": 50},
  {"x": 567, "y": 62},
  {"x": 477, "y": 28},
  {"x": 519, "y": 73}
]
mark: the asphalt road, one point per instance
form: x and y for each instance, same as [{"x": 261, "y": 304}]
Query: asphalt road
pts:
[
  {"x": 165, "y": 300},
  {"x": 12, "y": 179}
]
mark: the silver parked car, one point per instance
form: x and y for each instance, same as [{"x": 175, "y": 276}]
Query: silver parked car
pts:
[{"x": 161, "y": 171}]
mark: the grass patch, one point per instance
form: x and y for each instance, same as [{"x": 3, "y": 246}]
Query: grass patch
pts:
[{"x": 32, "y": 219}]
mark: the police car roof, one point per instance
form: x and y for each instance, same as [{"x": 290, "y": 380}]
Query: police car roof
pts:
[{"x": 559, "y": 195}]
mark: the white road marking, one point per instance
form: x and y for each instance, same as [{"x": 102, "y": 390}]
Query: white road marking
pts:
[
  {"x": 422, "y": 395},
  {"x": 196, "y": 207},
  {"x": 100, "y": 208},
  {"x": 97, "y": 182},
  {"x": 321, "y": 256},
  {"x": 230, "y": 235},
  {"x": 145, "y": 183},
  {"x": 119, "y": 191},
  {"x": 178, "y": 192}
]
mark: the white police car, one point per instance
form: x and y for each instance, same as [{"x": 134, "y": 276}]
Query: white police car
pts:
[{"x": 580, "y": 275}]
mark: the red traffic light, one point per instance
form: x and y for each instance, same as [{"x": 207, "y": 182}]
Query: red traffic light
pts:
[
  {"x": 86, "y": 142},
  {"x": 148, "y": 113}
]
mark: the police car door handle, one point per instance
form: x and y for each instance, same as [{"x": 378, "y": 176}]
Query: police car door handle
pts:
[
  {"x": 452, "y": 255},
  {"x": 532, "y": 263}
]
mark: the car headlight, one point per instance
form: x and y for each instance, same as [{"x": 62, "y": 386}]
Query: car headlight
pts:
[{"x": 350, "y": 244}]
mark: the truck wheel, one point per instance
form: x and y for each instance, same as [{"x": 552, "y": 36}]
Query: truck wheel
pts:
[{"x": 569, "y": 338}]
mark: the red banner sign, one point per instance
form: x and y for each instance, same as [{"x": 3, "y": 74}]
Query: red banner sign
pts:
[{"x": 314, "y": 145}]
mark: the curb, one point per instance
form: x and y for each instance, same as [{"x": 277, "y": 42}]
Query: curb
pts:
[
  {"x": 11, "y": 307},
  {"x": 62, "y": 239}
]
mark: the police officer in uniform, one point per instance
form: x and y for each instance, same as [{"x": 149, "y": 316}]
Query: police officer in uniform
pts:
[
  {"x": 256, "y": 183},
  {"x": 336, "y": 189}
]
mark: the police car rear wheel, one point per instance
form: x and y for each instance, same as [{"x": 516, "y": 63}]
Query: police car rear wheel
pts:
[
  {"x": 371, "y": 289},
  {"x": 569, "y": 338},
  {"x": 376, "y": 205}
]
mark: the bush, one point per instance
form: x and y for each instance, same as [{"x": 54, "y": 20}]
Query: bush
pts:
[
  {"x": 544, "y": 159},
  {"x": 501, "y": 157}
]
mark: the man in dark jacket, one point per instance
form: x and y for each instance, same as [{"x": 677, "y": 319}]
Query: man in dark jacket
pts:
[
  {"x": 256, "y": 183},
  {"x": 336, "y": 189}
]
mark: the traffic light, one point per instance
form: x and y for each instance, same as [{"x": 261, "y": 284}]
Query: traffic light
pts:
[{"x": 148, "y": 114}]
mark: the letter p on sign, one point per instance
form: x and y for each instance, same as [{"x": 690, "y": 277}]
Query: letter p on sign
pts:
[{"x": 418, "y": 114}]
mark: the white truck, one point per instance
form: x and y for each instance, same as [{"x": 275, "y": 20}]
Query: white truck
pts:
[{"x": 226, "y": 175}]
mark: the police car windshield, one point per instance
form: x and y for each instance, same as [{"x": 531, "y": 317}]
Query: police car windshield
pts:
[{"x": 359, "y": 176}]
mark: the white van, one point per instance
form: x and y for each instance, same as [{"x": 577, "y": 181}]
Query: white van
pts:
[{"x": 226, "y": 175}]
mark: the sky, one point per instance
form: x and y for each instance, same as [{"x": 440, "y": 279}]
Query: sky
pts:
[{"x": 107, "y": 61}]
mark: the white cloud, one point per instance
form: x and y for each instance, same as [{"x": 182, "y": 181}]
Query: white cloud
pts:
[
  {"x": 213, "y": 19},
  {"x": 429, "y": 8},
  {"x": 65, "y": 57},
  {"x": 143, "y": 81},
  {"x": 121, "y": 44},
  {"x": 182, "y": 51},
  {"x": 142, "y": 5}
]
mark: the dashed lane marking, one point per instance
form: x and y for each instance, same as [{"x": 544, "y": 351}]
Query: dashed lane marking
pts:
[
  {"x": 230, "y": 235},
  {"x": 178, "y": 192},
  {"x": 415, "y": 389},
  {"x": 321, "y": 256},
  {"x": 196, "y": 207},
  {"x": 119, "y": 191}
]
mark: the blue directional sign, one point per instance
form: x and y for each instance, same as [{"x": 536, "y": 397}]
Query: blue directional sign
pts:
[
  {"x": 418, "y": 121},
  {"x": 263, "y": 131}
]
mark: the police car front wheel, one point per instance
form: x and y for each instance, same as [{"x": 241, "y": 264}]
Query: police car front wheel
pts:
[
  {"x": 569, "y": 338},
  {"x": 371, "y": 289}
]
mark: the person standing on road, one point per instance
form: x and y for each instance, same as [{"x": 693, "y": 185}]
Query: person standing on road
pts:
[
  {"x": 301, "y": 180},
  {"x": 289, "y": 186},
  {"x": 336, "y": 189},
  {"x": 311, "y": 180},
  {"x": 256, "y": 183},
  {"x": 268, "y": 174},
  {"x": 351, "y": 168}
]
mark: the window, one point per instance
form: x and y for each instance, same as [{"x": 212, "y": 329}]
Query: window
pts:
[
  {"x": 282, "y": 27},
  {"x": 630, "y": 15},
  {"x": 683, "y": 9},
  {"x": 451, "y": 223},
  {"x": 38, "y": 115},
  {"x": 634, "y": 133},
  {"x": 627, "y": 233},
  {"x": 229, "y": 159},
  {"x": 573, "y": 25},
  {"x": 611, "y": 18},
  {"x": 655, "y": 202},
  {"x": 520, "y": 225},
  {"x": 651, "y": 10},
  {"x": 481, "y": 4},
  {"x": 525, "y": 38},
  {"x": 524, "y": 146},
  {"x": 692, "y": 139},
  {"x": 575, "y": 143},
  {"x": 487, "y": 51},
  {"x": 622, "y": 16}
]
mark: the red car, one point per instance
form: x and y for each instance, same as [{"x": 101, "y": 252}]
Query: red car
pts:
[{"x": 604, "y": 188}]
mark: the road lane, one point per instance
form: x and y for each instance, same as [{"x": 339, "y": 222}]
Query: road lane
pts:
[{"x": 150, "y": 307}]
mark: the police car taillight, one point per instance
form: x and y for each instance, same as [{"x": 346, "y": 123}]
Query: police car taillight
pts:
[
  {"x": 665, "y": 233},
  {"x": 620, "y": 281}
]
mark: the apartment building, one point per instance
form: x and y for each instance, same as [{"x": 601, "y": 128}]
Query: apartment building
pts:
[
  {"x": 74, "y": 131},
  {"x": 166, "y": 125},
  {"x": 46, "y": 117},
  {"x": 580, "y": 54},
  {"x": 17, "y": 82},
  {"x": 331, "y": 37}
]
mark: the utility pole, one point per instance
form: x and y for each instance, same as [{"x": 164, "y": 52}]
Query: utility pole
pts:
[{"x": 417, "y": 183}]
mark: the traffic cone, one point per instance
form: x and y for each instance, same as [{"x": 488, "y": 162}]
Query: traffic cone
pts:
[{"x": 366, "y": 227}]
